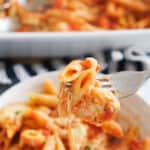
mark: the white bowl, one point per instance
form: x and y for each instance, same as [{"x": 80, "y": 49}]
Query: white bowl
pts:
[{"x": 133, "y": 109}]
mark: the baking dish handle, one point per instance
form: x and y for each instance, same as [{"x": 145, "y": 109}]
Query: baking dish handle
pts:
[{"x": 139, "y": 54}]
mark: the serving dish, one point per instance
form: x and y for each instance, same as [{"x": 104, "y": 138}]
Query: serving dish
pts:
[
  {"x": 69, "y": 43},
  {"x": 130, "y": 113},
  {"x": 107, "y": 29}
]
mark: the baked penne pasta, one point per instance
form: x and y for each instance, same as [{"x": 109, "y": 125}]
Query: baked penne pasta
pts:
[
  {"x": 80, "y": 15},
  {"x": 49, "y": 88},
  {"x": 82, "y": 98},
  {"x": 81, "y": 115},
  {"x": 82, "y": 84},
  {"x": 147, "y": 144},
  {"x": 43, "y": 99},
  {"x": 32, "y": 138},
  {"x": 71, "y": 72}
]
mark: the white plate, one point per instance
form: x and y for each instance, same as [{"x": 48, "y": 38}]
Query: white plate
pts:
[
  {"x": 68, "y": 43},
  {"x": 133, "y": 110}
]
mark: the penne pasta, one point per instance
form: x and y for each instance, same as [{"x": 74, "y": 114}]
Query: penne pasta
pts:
[
  {"x": 137, "y": 6},
  {"x": 84, "y": 98},
  {"x": 112, "y": 128},
  {"x": 82, "y": 84},
  {"x": 59, "y": 143},
  {"x": 71, "y": 72},
  {"x": 147, "y": 144},
  {"x": 43, "y": 99},
  {"x": 32, "y": 138},
  {"x": 49, "y": 88},
  {"x": 79, "y": 15},
  {"x": 81, "y": 115},
  {"x": 90, "y": 63}
]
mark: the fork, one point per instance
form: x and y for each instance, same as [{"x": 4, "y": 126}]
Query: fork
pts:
[{"x": 125, "y": 83}]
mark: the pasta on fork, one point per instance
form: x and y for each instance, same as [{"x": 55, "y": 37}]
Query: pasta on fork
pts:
[
  {"x": 82, "y": 97},
  {"x": 80, "y": 115}
]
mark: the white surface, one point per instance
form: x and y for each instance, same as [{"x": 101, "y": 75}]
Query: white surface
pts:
[
  {"x": 144, "y": 92},
  {"x": 134, "y": 109},
  {"x": 68, "y": 43},
  {"x": 21, "y": 91}
]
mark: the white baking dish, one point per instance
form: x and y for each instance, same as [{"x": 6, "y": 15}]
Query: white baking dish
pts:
[{"x": 68, "y": 43}]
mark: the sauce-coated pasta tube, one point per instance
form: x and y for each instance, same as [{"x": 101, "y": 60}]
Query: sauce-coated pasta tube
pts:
[
  {"x": 71, "y": 72},
  {"x": 81, "y": 116},
  {"x": 43, "y": 99},
  {"x": 147, "y": 144},
  {"x": 85, "y": 98},
  {"x": 49, "y": 88},
  {"x": 33, "y": 138},
  {"x": 112, "y": 128},
  {"x": 81, "y": 86},
  {"x": 90, "y": 63}
]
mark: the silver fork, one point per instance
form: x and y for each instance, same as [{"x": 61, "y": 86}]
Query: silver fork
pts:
[{"x": 125, "y": 83}]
